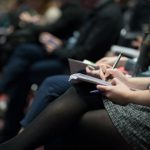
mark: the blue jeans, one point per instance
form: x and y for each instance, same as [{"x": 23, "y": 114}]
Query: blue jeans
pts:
[
  {"x": 28, "y": 64},
  {"x": 51, "y": 88},
  {"x": 25, "y": 60}
]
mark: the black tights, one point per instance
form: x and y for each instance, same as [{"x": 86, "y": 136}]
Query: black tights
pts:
[
  {"x": 73, "y": 107},
  {"x": 98, "y": 133}
]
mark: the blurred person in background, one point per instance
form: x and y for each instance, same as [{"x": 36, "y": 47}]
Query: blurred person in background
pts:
[
  {"x": 57, "y": 22},
  {"x": 32, "y": 63},
  {"x": 66, "y": 25}
]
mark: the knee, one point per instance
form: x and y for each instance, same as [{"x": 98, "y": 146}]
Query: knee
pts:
[
  {"x": 50, "y": 81},
  {"x": 85, "y": 121},
  {"x": 59, "y": 82},
  {"x": 53, "y": 86}
]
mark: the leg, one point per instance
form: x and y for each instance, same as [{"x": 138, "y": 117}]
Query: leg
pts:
[
  {"x": 15, "y": 82},
  {"x": 96, "y": 128},
  {"x": 21, "y": 87},
  {"x": 51, "y": 89},
  {"x": 45, "y": 68},
  {"x": 15, "y": 109},
  {"x": 58, "y": 117},
  {"x": 19, "y": 63},
  {"x": 17, "y": 103}
]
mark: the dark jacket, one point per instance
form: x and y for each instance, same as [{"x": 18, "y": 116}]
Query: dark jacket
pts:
[
  {"x": 72, "y": 18},
  {"x": 97, "y": 34}
]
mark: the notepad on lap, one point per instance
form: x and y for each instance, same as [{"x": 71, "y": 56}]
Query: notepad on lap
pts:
[{"x": 77, "y": 77}]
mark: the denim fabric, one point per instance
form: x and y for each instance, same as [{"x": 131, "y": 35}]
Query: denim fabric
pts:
[{"x": 51, "y": 88}]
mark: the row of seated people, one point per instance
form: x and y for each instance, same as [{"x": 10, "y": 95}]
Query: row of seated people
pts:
[
  {"x": 47, "y": 61},
  {"x": 18, "y": 25},
  {"x": 85, "y": 46},
  {"x": 63, "y": 27},
  {"x": 65, "y": 115}
]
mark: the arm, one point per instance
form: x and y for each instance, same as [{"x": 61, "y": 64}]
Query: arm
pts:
[
  {"x": 104, "y": 72},
  {"x": 111, "y": 60},
  {"x": 65, "y": 25},
  {"x": 123, "y": 95},
  {"x": 141, "y": 97},
  {"x": 132, "y": 82},
  {"x": 139, "y": 82},
  {"x": 96, "y": 33}
]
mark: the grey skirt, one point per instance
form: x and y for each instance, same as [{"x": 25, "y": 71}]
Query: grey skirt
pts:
[{"x": 132, "y": 122}]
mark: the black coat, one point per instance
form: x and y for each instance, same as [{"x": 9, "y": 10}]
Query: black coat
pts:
[
  {"x": 97, "y": 34},
  {"x": 72, "y": 18}
]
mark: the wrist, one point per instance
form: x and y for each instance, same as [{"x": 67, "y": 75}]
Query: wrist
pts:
[
  {"x": 129, "y": 82},
  {"x": 129, "y": 97},
  {"x": 140, "y": 97}
]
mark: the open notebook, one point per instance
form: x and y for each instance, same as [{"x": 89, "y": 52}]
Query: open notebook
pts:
[
  {"x": 76, "y": 66},
  {"x": 78, "y": 77}
]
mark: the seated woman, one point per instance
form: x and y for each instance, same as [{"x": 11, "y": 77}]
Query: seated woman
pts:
[
  {"x": 55, "y": 86},
  {"x": 120, "y": 112}
]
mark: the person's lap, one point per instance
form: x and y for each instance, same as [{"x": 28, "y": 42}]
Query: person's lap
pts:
[
  {"x": 97, "y": 129},
  {"x": 95, "y": 126},
  {"x": 50, "y": 89}
]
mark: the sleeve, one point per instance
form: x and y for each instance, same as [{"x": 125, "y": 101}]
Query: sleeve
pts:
[
  {"x": 70, "y": 20},
  {"x": 98, "y": 35}
]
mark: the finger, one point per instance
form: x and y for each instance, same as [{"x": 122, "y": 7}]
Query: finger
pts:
[
  {"x": 88, "y": 70},
  {"x": 101, "y": 61},
  {"x": 108, "y": 74},
  {"x": 91, "y": 67},
  {"x": 114, "y": 72},
  {"x": 115, "y": 81},
  {"x": 103, "y": 69},
  {"x": 95, "y": 72},
  {"x": 102, "y": 74},
  {"x": 102, "y": 88}
]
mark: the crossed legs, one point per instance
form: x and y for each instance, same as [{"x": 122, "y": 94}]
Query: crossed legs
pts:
[{"x": 60, "y": 116}]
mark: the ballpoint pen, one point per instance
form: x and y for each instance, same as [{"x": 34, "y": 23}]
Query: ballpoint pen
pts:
[
  {"x": 113, "y": 67},
  {"x": 117, "y": 61}
]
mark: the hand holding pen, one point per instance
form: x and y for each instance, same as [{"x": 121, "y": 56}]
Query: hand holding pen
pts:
[
  {"x": 117, "y": 61},
  {"x": 105, "y": 74},
  {"x": 104, "y": 70}
]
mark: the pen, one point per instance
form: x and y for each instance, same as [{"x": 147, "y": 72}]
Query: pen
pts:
[
  {"x": 113, "y": 67},
  {"x": 117, "y": 61}
]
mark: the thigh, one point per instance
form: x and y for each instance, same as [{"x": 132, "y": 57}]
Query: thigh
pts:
[
  {"x": 30, "y": 51},
  {"x": 50, "y": 89},
  {"x": 96, "y": 129},
  {"x": 44, "y": 68}
]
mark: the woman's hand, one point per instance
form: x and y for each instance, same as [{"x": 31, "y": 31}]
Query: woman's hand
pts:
[
  {"x": 111, "y": 60},
  {"x": 28, "y": 18},
  {"x": 107, "y": 60},
  {"x": 49, "y": 41},
  {"x": 100, "y": 72},
  {"x": 115, "y": 73},
  {"x": 117, "y": 93}
]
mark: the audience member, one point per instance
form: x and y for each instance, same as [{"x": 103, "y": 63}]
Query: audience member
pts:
[
  {"x": 120, "y": 112},
  {"x": 90, "y": 45}
]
